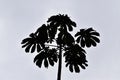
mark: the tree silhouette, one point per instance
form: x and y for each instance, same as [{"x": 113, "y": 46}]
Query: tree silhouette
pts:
[{"x": 54, "y": 41}]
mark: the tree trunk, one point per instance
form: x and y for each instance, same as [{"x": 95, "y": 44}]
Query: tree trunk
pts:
[{"x": 60, "y": 64}]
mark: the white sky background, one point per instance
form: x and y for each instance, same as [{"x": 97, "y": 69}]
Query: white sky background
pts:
[{"x": 18, "y": 18}]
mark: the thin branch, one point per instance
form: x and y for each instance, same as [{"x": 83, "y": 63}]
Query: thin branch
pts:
[{"x": 51, "y": 45}]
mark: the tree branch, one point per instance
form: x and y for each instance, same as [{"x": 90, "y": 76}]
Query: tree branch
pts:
[{"x": 51, "y": 45}]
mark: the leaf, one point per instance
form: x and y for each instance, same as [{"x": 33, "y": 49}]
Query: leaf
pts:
[
  {"x": 55, "y": 58},
  {"x": 95, "y": 33},
  {"x": 25, "y": 40},
  {"x": 33, "y": 48},
  {"x": 96, "y": 39},
  {"x": 32, "y": 35},
  {"x": 27, "y": 49},
  {"x": 71, "y": 68},
  {"x": 88, "y": 43},
  {"x": 73, "y": 23},
  {"x": 82, "y": 43},
  {"x": 51, "y": 61},
  {"x": 38, "y": 59},
  {"x": 67, "y": 64},
  {"x": 78, "y": 39},
  {"x": 25, "y": 44},
  {"x": 48, "y": 56},
  {"x": 62, "y": 21},
  {"x": 93, "y": 42},
  {"x": 45, "y": 63},
  {"x": 67, "y": 39},
  {"x": 39, "y": 63},
  {"x": 83, "y": 67},
  {"x": 74, "y": 56},
  {"x": 38, "y": 48},
  {"x": 70, "y": 27},
  {"x": 89, "y": 30},
  {"x": 42, "y": 33},
  {"x": 86, "y": 64},
  {"x": 82, "y": 31},
  {"x": 87, "y": 37},
  {"x": 77, "y": 70},
  {"x": 77, "y": 34},
  {"x": 52, "y": 32}
]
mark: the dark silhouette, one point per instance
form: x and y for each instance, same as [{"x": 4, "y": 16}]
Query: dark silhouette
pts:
[{"x": 53, "y": 41}]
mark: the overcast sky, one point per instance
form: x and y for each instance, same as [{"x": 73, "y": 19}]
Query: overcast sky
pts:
[{"x": 18, "y": 18}]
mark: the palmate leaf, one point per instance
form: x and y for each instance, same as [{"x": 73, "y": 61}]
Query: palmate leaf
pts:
[
  {"x": 62, "y": 20},
  {"x": 36, "y": 40},
  {"x": 75, "y": 57},
  {"x": 61, "y": 23},
  {"x": 47, "y": 56},
  {"x": 31, "y": 43},
  {"x": 65, "y": 38},
  {"x": 87, "y": 37}
]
